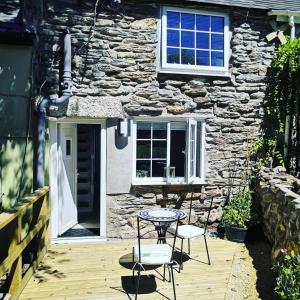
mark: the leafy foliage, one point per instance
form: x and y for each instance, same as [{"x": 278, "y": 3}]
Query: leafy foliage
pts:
[
  {"x": 288, "y": 279},
  {"x": 238, "y": 212},
  {"x": 281, "y": 97}
]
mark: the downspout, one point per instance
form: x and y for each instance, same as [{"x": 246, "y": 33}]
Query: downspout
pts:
[{"x": 42, "y": 111}]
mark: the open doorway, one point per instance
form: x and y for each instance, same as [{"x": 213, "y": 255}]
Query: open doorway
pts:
[{"x": 87, "y": 180}]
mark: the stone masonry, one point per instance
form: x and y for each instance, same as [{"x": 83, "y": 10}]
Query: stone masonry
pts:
[
  {"x": 280, "y": 205},
  {"x": 116, "y": 55}
]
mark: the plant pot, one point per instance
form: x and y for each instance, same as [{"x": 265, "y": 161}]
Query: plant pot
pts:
[{"x": 235, "y": 234}]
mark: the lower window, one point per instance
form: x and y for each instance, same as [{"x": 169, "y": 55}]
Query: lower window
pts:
[{"x": 168, "y": 151}]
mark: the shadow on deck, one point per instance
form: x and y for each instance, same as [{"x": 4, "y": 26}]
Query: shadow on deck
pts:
[{"x": 103, "y": 271}]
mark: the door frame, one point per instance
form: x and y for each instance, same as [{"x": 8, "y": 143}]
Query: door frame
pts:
[{"x": 54, "y": 133}]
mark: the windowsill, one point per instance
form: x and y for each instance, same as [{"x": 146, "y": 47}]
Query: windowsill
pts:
[
  {"x": 212, "y": 73},
  {"x": 136, "y": 182}
]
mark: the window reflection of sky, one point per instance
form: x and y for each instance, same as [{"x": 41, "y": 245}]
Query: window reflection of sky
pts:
[{"x": 194, "y": 39}]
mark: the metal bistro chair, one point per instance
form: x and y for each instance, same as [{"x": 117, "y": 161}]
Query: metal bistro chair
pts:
[
  {"x": 190, "y": 231},
  {"x": 154, "y": 255}
]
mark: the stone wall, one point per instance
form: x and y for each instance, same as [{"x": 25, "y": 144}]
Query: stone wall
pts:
[
  {"x": 118, "y": 56},
  {"x": 280, "y": 209}
]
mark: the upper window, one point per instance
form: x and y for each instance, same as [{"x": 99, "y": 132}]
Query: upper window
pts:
[
  {"x": 194, "y": 41},
  {"x": 168, "y": 151}
]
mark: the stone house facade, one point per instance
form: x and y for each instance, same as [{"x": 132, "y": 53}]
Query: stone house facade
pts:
[{"x": 166, "y": 96}]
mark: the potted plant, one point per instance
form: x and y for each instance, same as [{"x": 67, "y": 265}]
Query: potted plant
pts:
[{"x": 237, "y": 215}]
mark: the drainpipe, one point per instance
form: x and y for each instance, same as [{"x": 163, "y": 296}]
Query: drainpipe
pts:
[{"x": 42, "y": 111}]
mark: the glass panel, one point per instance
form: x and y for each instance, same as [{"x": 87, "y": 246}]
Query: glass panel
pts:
[
  {"x": 158, "y": 168},
  {"x": 143, "y": 168},
  {"x": 217, "y": 41},
  {"x": 160, "y": 130},
  {"x": 217, "y": 24},
  {"x": 173, "y": 19},
  {"x": 173, "y": 38},
  {"x": 173, "y": 56},
  {"x": 187, "y": 39},
  {"x": 188, "y": 21},
  {"x": 198, "y": 150},
  {"x": 202, "y": 58},
  {"x": 143, "y": 130},
  {"x": 187, "y": 57},
  {"x": 159, "y": 149},
  {"x": 177, "y": 152},
  {"x": 202, "y": 40},
  {"x": 68, "y": 147},
  {"x": 217, "y": 59},
  {"x": 143, "y": 149},
  {"x": 202, "y": 22}
]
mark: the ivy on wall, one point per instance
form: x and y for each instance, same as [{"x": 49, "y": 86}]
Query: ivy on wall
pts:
[{"x": 282, "y": 100}]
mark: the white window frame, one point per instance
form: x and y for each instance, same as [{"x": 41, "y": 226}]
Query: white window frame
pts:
[
  {"x": 193, "y": 69},
  {"x": 170, "y": 180}
]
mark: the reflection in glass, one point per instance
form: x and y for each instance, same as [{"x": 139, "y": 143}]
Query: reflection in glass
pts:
[
  {"x": 143, "y": 130},
  {"x": 202, "y": 58},
  {"x": 202, "y": 40},
  {"x": 173, "y": 38},
  {"x": 187, "y": 21},
  {"x": 217, "y": 59},
  {"x": 217, "y": 24},
  {"x": 202, "y": 22},
  {"x": 173, "y": 19},
  {"x": 143, "y": 149},
  {"x": 173, "y": 56},
  {"x": 158, "y": 167},
  {"x": 160, "y": 130},
  {"x": 187, "y": 56},
  {"x": 187, "y": 39},
  {"x": 143, "y": 168},
  {"x": 159, "y": 149},
  {"x": 217, "y": 41}
]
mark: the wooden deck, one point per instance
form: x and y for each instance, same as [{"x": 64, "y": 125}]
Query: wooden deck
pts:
[{"x": 103, "y": 271}]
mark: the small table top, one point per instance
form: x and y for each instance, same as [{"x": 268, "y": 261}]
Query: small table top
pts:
[{"x": 159, "y": 214}]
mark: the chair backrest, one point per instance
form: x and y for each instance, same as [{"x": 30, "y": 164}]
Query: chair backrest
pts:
[
  {"x": 193, "y": 199},
  {"x": 143, "y": 236}
]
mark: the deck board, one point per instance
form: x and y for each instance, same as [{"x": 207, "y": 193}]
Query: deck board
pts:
[{"x": 97, "y": 270}]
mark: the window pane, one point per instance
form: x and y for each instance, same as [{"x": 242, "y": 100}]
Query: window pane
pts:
[
  {"x": 217, "y": 24},
  {"x": 187, "y": 57},
  {"x": 160, "y": 130},
  {"x": 158, "y": 168},
  {"x": 143, "y": 168},
  {"x": 187, "y": 39},
  {"x": 202, "y": 58},
  {"x": 187, "y": 21},
  {"x": 143, "y": 149},
  {"x": 143, "y": 130},
  {"x": 217, "y": 59},
  {"x": 173, "y": 56},
  {"x": 202, "y": 40},
  {"x": 177, "y": 155},
  {"x": 173, "y": 38},
  {"x": 173, "y": 19},
  {"x": 159, "y": 149},
  {"x": 217, "y": 41},
  {"x": 202, "y": 22}
]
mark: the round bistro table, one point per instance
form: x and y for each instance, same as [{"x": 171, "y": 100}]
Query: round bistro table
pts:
[{"x": 161, "y": 218}]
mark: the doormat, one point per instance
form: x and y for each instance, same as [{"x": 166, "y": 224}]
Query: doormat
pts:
[{"x": 80, "y": 232}]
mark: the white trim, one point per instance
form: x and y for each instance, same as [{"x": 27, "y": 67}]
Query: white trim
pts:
[
  {"x": 166, "y": 180},
  {"x": 74, "y": 240},
  {"x": 54, "y": 180},
  {"x": 193, "y": 69}
]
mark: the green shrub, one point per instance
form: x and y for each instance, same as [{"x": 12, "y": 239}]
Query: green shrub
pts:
[
  {"x": 237, "y": 212},
  {"x": 288, "y": 276}
]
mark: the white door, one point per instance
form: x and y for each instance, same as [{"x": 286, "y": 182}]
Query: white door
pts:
[{"x": 67, "y": 178}]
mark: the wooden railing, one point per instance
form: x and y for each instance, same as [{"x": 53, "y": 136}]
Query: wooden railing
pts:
[{"x": 24, "y": 240}]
